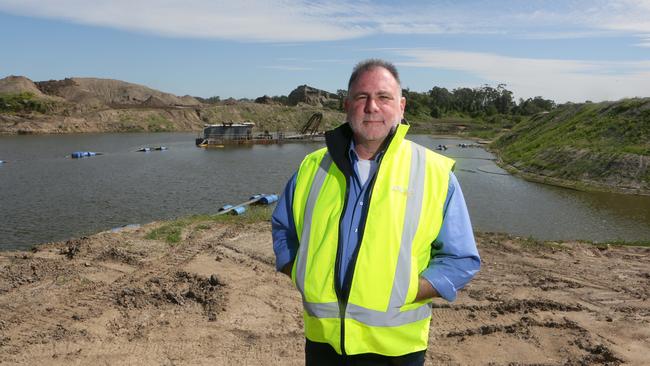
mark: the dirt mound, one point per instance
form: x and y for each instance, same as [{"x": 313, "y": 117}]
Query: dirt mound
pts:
[
  {"x": 19, "y": 84},
  {"x": 71, "y": 91},
  {"x": 93, "y": 91},
  {"x": 188, "y": 100},
  {"x": 155, "y": 102},
  {"x": 312, "y": 96},
  {"x": 265, "y": 99},
  {"x": 177, "y": 290}
]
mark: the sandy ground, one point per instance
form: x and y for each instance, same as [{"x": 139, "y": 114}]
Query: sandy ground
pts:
[{"x": 214, "y": 298}]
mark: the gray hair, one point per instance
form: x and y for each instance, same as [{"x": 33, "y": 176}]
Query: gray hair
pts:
[{"x": 373, "y": 63}]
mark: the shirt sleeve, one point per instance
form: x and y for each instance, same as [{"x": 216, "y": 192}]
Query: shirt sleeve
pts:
[
  {"x": 285, "y": 239},
  {"x": 454, "y": 256}
]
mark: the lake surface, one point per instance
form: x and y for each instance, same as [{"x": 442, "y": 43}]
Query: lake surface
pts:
[{"x": 46, "y": 196}]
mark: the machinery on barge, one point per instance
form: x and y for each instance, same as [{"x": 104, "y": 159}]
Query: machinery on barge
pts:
[{"x": 230, "y": 133}]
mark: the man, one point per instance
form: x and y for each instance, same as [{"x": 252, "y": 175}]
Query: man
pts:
[{"x": 371, "y": 228}]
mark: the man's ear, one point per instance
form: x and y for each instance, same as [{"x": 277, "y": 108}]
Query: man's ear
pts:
[
  {"x": 346, "y": 104},
  {"x": 402, "y": 105}
]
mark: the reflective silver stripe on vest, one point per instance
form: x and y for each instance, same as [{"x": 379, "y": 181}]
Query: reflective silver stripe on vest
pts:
[
  {"x": 410, "y": 227},
  {"x": 393, "y": 316},
  {"x": 390, "y": 318},
  {"x": 314, "y": 191},
  {"x": 322, "y": 310}
]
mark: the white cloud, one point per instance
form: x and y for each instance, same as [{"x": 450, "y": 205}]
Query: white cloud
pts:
[
  {"x": 561, "y": 80},
  {"x": 252, "y": 20},
  {"x": 625, "y": 15},
  {"x": 286, "y": 68},
  {"x": 645, "y": 41},
  {"x": 304, "y": 21}
]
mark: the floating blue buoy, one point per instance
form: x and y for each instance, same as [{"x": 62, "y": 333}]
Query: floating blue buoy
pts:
[
  {"x": 83, "y": 154},
  {"x": 224, "y": 208},
  {"x": 155, "y": 148},
  {"x": 238, "y": 210},
  {"x": 269, "y": 198}
]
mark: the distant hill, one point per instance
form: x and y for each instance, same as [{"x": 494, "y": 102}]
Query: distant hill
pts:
[
  {"x": 20, "y": 84},
  {"x": 105, "y": 105},
  {"x": 312, "y": 96},
  {"x": 110, "y": 92},
  {"x": 602, "y": 146}
]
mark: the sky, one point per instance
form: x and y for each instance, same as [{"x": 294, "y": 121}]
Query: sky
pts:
[{"x": 561, "y": 50}]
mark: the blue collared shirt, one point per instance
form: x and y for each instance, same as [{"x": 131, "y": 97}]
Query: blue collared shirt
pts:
[{"x": 455, "y": 258}]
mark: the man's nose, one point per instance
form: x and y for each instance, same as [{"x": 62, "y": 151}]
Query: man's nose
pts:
[{"x": 371, "y": 105}]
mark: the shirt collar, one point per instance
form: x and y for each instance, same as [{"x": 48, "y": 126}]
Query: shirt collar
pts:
[{"x": 354, "y": 157}]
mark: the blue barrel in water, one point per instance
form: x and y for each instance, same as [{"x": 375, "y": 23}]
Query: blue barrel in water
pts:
[
  {"x": 269, "y": 198},
  {"x": 238, "y": 210},
  {"x": 224, "y": 208},
  {"x": 82, "y": 154}
]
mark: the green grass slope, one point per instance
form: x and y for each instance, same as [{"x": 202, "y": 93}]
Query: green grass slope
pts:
[
  {"x": 599, "y": 146},
  {"x": 27, "y": 102}
]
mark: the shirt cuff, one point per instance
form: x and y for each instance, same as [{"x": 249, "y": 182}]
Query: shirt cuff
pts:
[{"x": 443, "y": 286}]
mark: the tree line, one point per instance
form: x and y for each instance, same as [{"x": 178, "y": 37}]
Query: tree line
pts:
[
  {"x": 439, "y": 102},
  {"x": 483, "y": 101}
]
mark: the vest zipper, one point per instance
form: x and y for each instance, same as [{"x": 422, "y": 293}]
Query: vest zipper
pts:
[{"x": 342, "y": 300}]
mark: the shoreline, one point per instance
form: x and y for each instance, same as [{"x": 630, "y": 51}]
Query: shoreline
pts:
[
  {"x": 188, "y": 220},
  {"x": 551, "y": 181},
  {"x": 569, "y": 184},
  {"x": 67, "y": 133}
]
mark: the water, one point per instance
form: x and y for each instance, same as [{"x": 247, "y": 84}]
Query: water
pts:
[{"x": 46, "y": 196}]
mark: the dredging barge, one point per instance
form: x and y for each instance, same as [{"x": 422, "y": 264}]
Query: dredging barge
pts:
[{"x": 241, "y": 133}]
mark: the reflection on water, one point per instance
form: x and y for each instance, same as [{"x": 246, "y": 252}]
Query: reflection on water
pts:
[{"x": 45, "y": 196}]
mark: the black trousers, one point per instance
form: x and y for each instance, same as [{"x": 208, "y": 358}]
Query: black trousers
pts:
[{"x": 322, "y": 354}]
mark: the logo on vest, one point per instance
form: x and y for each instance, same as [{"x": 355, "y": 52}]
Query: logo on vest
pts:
[{"x": 401, "y": 190}]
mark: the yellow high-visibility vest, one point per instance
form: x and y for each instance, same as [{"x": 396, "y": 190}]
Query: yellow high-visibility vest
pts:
[{"x": 403, "y": 219}]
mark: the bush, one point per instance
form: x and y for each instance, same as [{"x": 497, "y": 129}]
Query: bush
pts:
[{"x": 24, "y": 102}]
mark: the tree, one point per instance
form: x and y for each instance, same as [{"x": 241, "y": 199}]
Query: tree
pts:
[
  {"x": 435, "y": 112},
  {"x": 534, "y": 105},
  {"x": 440, "y": 99},
  {"x": 416, "y": 103},
  {"x": 504, "y": 101},
  {"x": 342, "y": 94}
]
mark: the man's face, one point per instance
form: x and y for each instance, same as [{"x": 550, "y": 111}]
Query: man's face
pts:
[{"x": 374, "y": 105}]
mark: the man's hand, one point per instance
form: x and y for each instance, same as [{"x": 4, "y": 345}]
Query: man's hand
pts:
[
  {"x": 287, "y": 269},
  {"x": 425, "y": 290}
]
